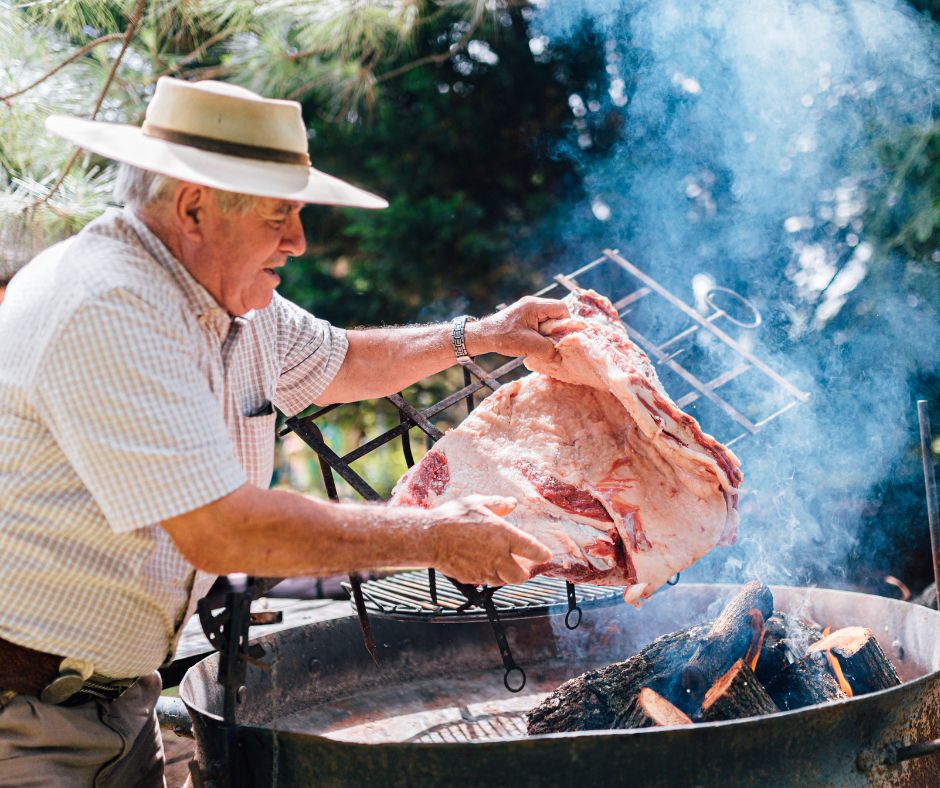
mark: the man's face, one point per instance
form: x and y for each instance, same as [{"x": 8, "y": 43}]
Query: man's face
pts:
[{"x": 247, "y": 248}]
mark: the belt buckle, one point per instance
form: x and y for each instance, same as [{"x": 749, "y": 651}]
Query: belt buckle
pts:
[{"x": 73, "y": 673}]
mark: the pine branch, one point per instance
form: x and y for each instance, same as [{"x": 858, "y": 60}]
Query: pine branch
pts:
[
  {"x": 128, "y": 36},
  {"x": 198, "y": 52},
  {"x": 440, "y": 57},
  {"x": 75, "y": 56}
]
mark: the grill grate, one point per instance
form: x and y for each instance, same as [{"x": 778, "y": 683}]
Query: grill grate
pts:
[
  {"x": 482, "y": 727},
  {"x": 408, "y": 596}
]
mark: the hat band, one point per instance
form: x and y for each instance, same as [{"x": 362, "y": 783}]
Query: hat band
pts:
[{"x": 223, "y": 146}]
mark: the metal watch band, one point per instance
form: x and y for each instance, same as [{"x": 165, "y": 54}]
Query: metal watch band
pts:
[{"x": 458, "y": 337}]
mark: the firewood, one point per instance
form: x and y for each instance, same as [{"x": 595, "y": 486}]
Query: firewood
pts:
[
  {"x": 652, "y": 710},
  {"x": 735, "y": 695},
  {"x": 727, "y": 640},
  {"x": 787, "y": 639},
  {"x": 603, "y": 698},
  {"x": 863, "y": 662},
  {"x": 805, "y": 682}
]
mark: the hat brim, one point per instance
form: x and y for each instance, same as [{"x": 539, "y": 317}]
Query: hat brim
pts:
[{"x": 218, "y": 170}]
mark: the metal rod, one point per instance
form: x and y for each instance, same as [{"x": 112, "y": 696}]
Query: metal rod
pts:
[
  {"x": 415, "y": 415},
  {"x": 355, "y": 581},
  {"x": 581, "y": 270},
  {"x": 691, "y": 330},
  {"x": 406, "y": 442},
  {"x": 428, "y": 413},
  {"x": 311, "y": 435},
  {"x": 630, "y": 298},
  {"x": 933, "y": 520},
  {"x": 714, "y": 383},
  {"x": 688, "y": 377},
  {"x": 679, "y": 304},
  {"x": 312, "y": 417},
  {"x": 481, "y": 373},
  {"x": 467, "y": 380},
  {"x": 918, "y": 750}
]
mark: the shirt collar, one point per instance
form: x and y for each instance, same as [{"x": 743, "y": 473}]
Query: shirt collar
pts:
[{"x": 206, "y": 309}]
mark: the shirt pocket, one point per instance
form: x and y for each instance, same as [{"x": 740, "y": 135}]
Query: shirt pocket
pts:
[{"x": 256, "y": 447}]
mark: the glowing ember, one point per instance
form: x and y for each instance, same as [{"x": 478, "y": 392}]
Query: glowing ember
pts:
[
  {"x": 837, "y": 668},
  {"x": 905, "y": 591},
  {"x": 758, "y": 629}
]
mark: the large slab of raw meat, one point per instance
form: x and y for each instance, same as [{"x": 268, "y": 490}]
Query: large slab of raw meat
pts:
[{"x": 622, "y": 486}]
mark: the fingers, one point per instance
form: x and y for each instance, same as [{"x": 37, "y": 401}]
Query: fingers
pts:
[
  {"x": 551, "y": 309},
  {"x": 510, "y": 572},
  {"x": 532, "y": 343},
  {"x": 528, "y": 547},
  {"x": 545, "y": 308}
]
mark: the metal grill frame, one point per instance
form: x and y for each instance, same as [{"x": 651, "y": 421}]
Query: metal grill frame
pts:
[
  {"x": 406, "y": 596},
  {"x": 476, "y": 379}
]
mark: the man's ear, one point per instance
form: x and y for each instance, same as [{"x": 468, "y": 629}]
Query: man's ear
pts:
[{"x": 189, "y": 209}]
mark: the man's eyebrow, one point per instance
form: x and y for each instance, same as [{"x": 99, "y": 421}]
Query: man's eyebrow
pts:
[{"x": 280, "y": 207}]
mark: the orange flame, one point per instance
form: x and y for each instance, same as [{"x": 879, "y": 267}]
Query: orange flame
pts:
[
  {"x": 758, "y": 630},
  {"x": 837, "y": 672},
  {"x": 837, "y": 668}
]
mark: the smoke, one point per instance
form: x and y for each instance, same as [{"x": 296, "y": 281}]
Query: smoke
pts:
[{"x": 749, "y": 158}]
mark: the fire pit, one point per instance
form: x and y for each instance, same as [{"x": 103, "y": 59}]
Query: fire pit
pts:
[
  {"x": 433, "y": 711},
  {"x": 427, "y": 702}
]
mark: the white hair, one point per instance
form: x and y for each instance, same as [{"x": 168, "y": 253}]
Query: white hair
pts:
[{"x": 140, "y": 188}]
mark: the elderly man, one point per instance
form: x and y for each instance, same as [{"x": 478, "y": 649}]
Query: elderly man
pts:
[{"x": 140, "y": 364}]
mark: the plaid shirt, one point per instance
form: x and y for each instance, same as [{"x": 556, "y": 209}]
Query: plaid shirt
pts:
[{"x": 128, "y": 396}]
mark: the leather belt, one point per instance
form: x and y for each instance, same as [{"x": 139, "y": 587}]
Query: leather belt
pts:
[{"x": 54, "y": 679}]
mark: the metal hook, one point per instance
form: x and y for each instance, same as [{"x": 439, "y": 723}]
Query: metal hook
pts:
[
  {"x": 572, "y": 606},
  {"x": 509, "y": 672},
  {"x": 674, "y": 580},
  {"x": 756, "y": 319},
  {"x": 577, "y": 618}
]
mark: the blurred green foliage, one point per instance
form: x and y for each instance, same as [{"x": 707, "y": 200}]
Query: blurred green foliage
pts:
[
  {"x": 473, "y": 154},
  {"x": 905, "y": 211}
]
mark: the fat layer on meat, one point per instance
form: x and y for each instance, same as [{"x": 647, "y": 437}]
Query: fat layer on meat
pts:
[{"x": 622, "y": 486}]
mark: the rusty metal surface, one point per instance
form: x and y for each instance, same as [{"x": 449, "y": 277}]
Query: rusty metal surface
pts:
[{"x": 846, "y": 743}]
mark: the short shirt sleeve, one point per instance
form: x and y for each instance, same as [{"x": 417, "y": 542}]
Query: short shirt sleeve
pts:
[
  {"x": 311, "y": 352},
  {"x": 129, "y": 404}
]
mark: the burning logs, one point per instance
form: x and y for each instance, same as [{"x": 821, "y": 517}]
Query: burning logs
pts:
[
  {"x": 604, "y": 698},
  {"x": 805, "y": 682},
  {"x": 738, "y": 629},
  {"x": 749, "y": 661},
  {"x": 735, "y": 695},
  {"x": 861, "y": 659},
  {"x": 786, "y": 639}
]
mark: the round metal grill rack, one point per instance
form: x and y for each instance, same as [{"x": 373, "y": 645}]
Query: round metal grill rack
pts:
[{"x": 407, "y": 596}]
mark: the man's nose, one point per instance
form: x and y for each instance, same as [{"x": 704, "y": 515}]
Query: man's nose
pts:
[{"x": 294, "y": 242}]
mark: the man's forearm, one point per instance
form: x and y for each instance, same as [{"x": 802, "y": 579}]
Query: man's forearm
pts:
[
  {"x": 277, "y": 533},
  {"x": 382, "y": 361}
]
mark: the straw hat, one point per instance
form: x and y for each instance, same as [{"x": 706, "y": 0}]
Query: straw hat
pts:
[{"x": 222, "y": 136}]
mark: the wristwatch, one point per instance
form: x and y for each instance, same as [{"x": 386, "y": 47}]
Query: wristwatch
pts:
[{"x": 458, "y": 337}]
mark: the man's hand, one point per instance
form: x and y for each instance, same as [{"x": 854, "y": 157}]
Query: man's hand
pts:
[
  {"x": 474, "y": 544},
  {"x": 514, "y": 331}
]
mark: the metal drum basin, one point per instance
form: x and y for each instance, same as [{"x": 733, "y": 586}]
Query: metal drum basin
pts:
[{"x": 433, "y": 710}]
